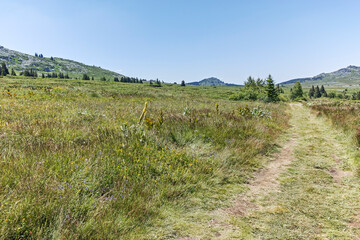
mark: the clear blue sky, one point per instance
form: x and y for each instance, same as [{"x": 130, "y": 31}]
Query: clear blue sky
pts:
[{"x": 189, "y": 40}]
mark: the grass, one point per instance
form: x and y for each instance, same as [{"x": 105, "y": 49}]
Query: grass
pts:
[
  {"x": 318, "y": 195},
  {"x": 342, "y": 113},
  {"x": 311, "y": 204},
  {"x": 76, "y": 162}
]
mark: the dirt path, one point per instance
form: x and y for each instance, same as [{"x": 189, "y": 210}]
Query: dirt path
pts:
[{"x": 307, "y": 191}]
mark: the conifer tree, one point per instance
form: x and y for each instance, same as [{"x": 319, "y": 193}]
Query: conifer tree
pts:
[
  {"x": 297, "y": 91},
  {"x": 182, "y": 83},
  {"x": 312, "y": 92},
  {"x": 4, "y": 69},
  {"x": 85, "y": 77},
  {"x": 317, "y": 93},
  {"x": 116, "y": 79},
  {"x": 13, "y": 73},
  {"x": 272, "y": 94}
]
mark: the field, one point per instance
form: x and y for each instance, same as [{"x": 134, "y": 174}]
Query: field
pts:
[{"x": 99, "y": 160}]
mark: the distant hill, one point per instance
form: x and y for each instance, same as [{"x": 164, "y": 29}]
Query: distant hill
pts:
[
  {"x": 21, "y": 61},
  {"x": 212, "y": 82},
  {"x": 348, "y": 76}
]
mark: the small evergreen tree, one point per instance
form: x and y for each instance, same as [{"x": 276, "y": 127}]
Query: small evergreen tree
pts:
[
  {"x": 116, "y": 79},
  {"x": 103, "y": 79},
  {"x": 13, "y": 73},
  {"x": 317, "y": 93},
  {"x": 4, "y": 69},
  {"x": 182, "y": 83},
  {"x": 85, "y": 77},
  {"x": 92, "y": 78},
  {"x": 272, "y": 94},
  {"x": 43, "y": 75},
  {"x": 312, "y": 92},
  {"x": 297, "y": 91}
]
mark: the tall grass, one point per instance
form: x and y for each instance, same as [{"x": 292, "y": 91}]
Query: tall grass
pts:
[
  {"x": 77, "y": 162},
  {"x": 343, "y": 114}
]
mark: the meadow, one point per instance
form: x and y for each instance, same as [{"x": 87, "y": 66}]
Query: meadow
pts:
[
  {"x": 99, "y": 160},
  {"x": 344, "y": 114}
]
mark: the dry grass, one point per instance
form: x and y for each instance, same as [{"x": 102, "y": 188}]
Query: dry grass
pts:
[{"x": 76, "y": 163}]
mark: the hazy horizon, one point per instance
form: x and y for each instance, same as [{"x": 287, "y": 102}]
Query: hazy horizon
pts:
[{"x": 188, "y": 40}]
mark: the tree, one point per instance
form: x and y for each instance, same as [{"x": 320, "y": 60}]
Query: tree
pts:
[
  {"x": 85, "y": 77},
  {"x": 272, "y": 94},
  {"x": 52, "y": 59},
  {"x": 43, "y": 75},
  {"x": 103, "y": 79},
  {"x": 116, "y": 79},
  {"x": 4, "y": 69},
  {"x": 182, "y": 83},
  {"x": 317, "y": 93},
  {"x": 323, "y": 91},
  {"x": 312, "y": 92},
  {"x": 36, "y": 55},
  {"x": 297, "y": 91},
  {"x": 13, "y": 73},
  {"x": 92, "y": 78}
]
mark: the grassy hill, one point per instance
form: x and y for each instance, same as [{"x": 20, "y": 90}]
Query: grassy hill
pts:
[
  {"x": 346, "y": 77},
  {"x": 211, "y": 82},
  {"x": 21, "y": 61}
]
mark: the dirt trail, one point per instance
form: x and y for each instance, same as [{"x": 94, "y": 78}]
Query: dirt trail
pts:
[{"x": 306, "y": 191}]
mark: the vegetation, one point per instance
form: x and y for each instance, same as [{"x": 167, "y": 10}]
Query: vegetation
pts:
[
  {"x": 78, "y": 160},
  {"x": 297, "y": 92},
  {"x": 259, "y": 89},
  {"x": 3, "y": 69}
]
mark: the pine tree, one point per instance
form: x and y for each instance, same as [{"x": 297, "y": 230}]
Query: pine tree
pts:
[
  {"x": 272, "y": 94},
  {"x": 85, "y": 77},
  {"x": 4, "y": 69},
  {"x": 43, "y": 75},
  {"x": 312, "y": 92},
  {"x": 13, "y": 73},
  {"x": 317, "y": 93},
  {"x": 116, "y": 79},
  {"x": 297, "y": 91},
  {"x": 323, "y": 91},
  {"x": 182, "y": 83},
  {"x": 92, "y": 78},
  {"x": 103, "y": 79}
]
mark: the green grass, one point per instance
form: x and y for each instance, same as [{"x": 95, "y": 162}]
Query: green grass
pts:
[{"x": 75, "y": 162}]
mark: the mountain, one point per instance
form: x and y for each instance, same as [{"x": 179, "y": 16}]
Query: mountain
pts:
[
  {"x": 21, "y": 61},
  {"x": 348, "y": 76},
  {"x": 213, "y": 82}
]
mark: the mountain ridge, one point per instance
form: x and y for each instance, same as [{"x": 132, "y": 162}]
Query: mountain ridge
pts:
[
  {"x": 21, "y": 61},
  {"x": 212, "y": 82},
  {"x": 344, "y": 76}
]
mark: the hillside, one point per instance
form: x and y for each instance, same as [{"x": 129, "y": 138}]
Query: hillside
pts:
[
  {"x": 213, "y": 82},
  {"x": 21, "y": 61},
  {"x": 349, "y": 76}
]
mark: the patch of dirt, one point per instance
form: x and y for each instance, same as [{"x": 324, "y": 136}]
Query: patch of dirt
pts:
[
  {"x": 356, "y": 222},
  {"x": 265, "y": 180},
  {"x": 339, "y": 174}
]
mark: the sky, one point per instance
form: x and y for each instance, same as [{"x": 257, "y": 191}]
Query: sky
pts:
[{"x": 190, "y": 40}]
